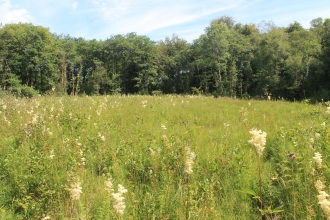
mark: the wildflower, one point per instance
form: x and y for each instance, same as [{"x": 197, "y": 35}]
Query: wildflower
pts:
[
  {"x": 152, "y": 152},
  {"x": 312, "y": 140},
  {"x": 8, "y": 122},
  {"x": 108, "y": 185},
  {"x": 323, "y": 124},
  {"x": 328, "y": 110},
  {"x": 317, "y": 135},
  {"x": 4, "y": 107},
  {"x": 244, "y": 113},
  {"x": 75, "y": 190},
  {"x": 291, "y": 155},
  {"x": 82, "y": 161},
  {"x": 46, "y": 218},
  {"x": 189, "y": 161},
  {"x": 258, "y": 140},
  {"x": 52, "y": 155},
  {"x": 119, "y": 204},
  {"x": 35, "y": 119},
  {"x": 101, "y": 137},
  {"x": 226, "y": 125},
  {"x": 318, "y": 160},
  {"x": 144, "y": 103},
  {"x": 163, "y": 127},
  {"x": 319, "y": 185},
  {"x": 49, "y": 132},
  {"x": 323, "y": 199}
]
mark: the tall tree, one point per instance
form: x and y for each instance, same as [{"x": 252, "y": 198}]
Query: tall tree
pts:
[
  {"x": 29, "y": 52},
  {"x": 175, "y": 70}
]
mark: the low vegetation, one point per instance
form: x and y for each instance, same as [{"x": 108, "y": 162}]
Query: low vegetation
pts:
[{"x": 162, "y": 157}]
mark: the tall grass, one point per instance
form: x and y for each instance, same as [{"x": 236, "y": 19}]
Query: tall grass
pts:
[{"x": 52, "y": 147}]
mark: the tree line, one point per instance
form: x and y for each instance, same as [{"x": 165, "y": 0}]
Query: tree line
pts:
[{"x": 229, "y": 59}]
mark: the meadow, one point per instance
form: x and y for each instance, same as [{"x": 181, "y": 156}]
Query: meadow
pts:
[{"x": 162, "y": 157}]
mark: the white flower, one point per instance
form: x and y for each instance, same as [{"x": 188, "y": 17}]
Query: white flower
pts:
[
  {"x": 323, "y": 124},
  {"x": 163, "y": 127},
  {"x": 119, "y": 204},
  {"x": 52, "y": 155},
  {"x": 258, "y": 140},
  {"x": 121, "y": 189},
  {"x": 189, "y": 161},
  {"x": 323, "y": 199},
  {"x": 318, "y": 160},
  {"x": 82, "y": 161},
  {"x": 75, "y": 190},
  {"x": 317, "y": 135},
  {"x": 108, "y": 185},
  {"x": 319, "y": 185},
  {"x": 101, "y": 137},
  {"x": 35, "y": 119},
  {"x": 328, "y": 110}
]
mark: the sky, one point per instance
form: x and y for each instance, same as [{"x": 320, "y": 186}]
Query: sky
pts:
[{"x": 156, "y": 19}]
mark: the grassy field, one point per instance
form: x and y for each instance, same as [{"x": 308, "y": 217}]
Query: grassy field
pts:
[{"x": 173, "y": 157}]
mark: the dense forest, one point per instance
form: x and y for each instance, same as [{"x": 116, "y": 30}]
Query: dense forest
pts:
[{"x": 230, "y": 59}]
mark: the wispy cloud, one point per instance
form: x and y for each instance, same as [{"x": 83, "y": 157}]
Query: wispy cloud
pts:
[
  {"x": 13, "y": 14},
  {"x": 144, "y": 17},
  {"x": 111, "y": 9},
  {"x": 156, "y": 19}
]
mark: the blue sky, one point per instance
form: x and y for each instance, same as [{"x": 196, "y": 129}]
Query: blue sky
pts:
[{"x": 99, "y": 19}]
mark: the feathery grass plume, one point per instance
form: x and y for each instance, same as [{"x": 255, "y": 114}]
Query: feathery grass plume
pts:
[
  {"x": 189, "y": 161},
  {"x": 318, "y": 160},
  {"x": 75, "y": 189},
  {"x": 119, "y": 204},
  {"x": 258, "y": 140}
]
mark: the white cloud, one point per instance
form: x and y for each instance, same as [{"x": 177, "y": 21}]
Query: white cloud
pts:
[
  {"x": 74, "y": 5},
  {"x": 12, "y": 14},
  {"x": 111, "y": 9},
  {"x": 144, "y": 16}
]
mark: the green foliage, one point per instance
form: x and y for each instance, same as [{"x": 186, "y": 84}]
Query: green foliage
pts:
[
  {"x": 229, "y": 60},
  {"x": 140, "y": 142},
  {"x": 14, "y": 86}
]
